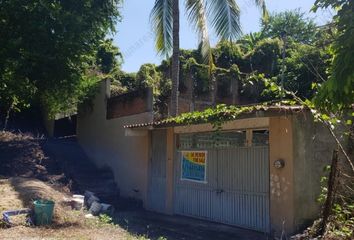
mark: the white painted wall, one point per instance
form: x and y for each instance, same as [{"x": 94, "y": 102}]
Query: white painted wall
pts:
[{"x": 106, "y": 144}]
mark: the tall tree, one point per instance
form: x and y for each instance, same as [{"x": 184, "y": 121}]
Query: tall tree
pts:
[
  {"x": 338, "y": 92},
  {"x": 223, "y": 15},
  {"x": 108, "y": 57},
  {"x": 175, "y": 58},
  {"x": 294, "y": 23},
  {"x": 50, "y": 44}
]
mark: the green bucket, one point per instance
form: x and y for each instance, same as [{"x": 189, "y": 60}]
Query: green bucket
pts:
[{"x": 43, "y": 212}]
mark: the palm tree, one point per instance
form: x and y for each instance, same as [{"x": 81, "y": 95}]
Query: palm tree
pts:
[{"x": 223, "y": 15}]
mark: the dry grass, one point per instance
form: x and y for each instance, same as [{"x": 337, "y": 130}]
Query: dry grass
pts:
[
  {"x": 28, "y": 190},
  {"x": 70, "y": 232},
  {"x": 31, "y": 174},
  {"x": 6, "y": 136},
  {"x": 20, "y": 192},
  {"x": 9, "y": 199}
]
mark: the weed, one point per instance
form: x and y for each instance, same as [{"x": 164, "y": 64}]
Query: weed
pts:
[
  {"x": 105, "y": 219},
  {"x": 342, "y": 225}
]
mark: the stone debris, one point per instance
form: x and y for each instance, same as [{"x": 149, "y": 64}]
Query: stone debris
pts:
[{"x": 93, "y": 203}]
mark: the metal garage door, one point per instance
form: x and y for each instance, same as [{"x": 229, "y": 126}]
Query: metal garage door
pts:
[
  {"x": 157, "y": 184},
  {"x": 236, "y": 186}
]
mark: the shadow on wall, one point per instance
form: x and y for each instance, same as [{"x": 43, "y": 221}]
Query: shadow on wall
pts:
[{"x": 65, "y": 126}]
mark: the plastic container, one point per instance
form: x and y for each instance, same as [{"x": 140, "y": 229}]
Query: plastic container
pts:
[
  {"x": 79, "y": 196},
  {"x": 43, "y": 212},
  {"x": 78, "y": 202}
]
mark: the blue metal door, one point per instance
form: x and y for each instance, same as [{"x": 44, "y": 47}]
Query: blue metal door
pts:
[{"x": 157, "y": 185}]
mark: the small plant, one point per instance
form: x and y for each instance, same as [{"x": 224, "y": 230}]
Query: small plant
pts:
[
  {"x": 323, "y": 195},
  {"x": 342, "y": 224},
  {"x": 126, "y": 221},
  {"x": 105, "y": 219},
  {"x": 134, "y": 237},
  {"x": 4, "y": 224}
]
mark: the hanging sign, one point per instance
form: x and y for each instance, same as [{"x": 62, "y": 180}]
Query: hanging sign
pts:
[{"x": 194, "y": 165}]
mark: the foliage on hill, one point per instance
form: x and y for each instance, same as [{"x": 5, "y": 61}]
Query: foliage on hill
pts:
[
  {"x": 48, "y": 49},
  {"x": 250, "y": 59}
]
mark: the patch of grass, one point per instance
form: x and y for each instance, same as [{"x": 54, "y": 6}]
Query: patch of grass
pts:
[
  {"x": 101, "y": 221},
  {"x": 105, "y": 219}
]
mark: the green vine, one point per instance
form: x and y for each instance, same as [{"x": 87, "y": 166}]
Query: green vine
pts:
[
  {"x": 219, "y": 115},
  {"x": 222, "y": 113}
]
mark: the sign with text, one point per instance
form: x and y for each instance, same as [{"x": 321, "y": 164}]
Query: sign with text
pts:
[{"x": 194, "y": 165}]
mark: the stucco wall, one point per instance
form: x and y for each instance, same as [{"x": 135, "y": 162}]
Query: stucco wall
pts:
[
  {"x": 306, "y": 147},
  {"x": 313, "y": 148},
  {"x": 106, "y": 144},
  {"x": 281, "y": 180}
]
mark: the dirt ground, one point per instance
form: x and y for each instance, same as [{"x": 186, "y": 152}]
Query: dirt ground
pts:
[
  {"x": 18, "y": 193},
  {"x": 129, "y": 224},
  {"x": 23, "y": 155},
  {"x": 27, "y": 173}
]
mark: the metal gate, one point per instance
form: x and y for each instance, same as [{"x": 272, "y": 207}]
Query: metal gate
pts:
[
  {"x": 157, "y": 184},
  {"x": 236, "y": 190}
]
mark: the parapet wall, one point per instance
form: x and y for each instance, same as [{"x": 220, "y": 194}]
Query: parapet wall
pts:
[{"x": 129, "y": 104}]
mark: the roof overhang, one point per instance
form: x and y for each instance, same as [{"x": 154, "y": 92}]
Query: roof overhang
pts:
[{"x": 258, "y": 112}]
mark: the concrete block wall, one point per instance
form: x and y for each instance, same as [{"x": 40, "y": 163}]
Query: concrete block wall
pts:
[{"x": 130, "y": 103}]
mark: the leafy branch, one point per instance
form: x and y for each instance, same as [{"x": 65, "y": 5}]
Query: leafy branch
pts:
[{"x": 330, "y": 121}]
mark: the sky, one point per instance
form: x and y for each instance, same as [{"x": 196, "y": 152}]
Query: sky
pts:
[{"x": 136, "y": 40}]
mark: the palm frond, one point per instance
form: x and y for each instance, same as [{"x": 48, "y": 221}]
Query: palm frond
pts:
[
  {"x": 259, "y": 2},
  {"x": 225, "y": 18},
  {"x": 161, "y": 19},
  {"x": 196, "y": 12},
  {"x": 262, "y": 5}
]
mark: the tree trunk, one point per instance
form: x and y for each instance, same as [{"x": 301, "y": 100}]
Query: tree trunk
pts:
[
  {"x": 175, "y": 60},
  {"x": 8, "y": 115},
  {"x": 190, "y": 89},
  {"x": 213, "y": 89},
  {"x": 327, "y": 209}
]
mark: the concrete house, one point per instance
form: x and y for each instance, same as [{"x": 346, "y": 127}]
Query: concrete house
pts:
[{"x": 261, "y": 172}]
